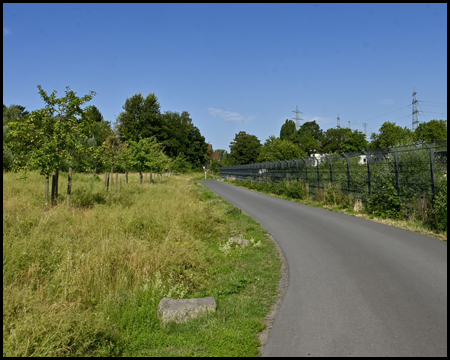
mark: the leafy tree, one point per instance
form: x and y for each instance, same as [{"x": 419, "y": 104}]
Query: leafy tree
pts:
[
  {"x": 287, "y": 130},
  {"x": 278, "y": 149},
  {"x": 180, "y": 136},
  {"x": 51, "y": 135},
  {"x": 113, "y": 152},
  {"x": 141, "y": 118},
  {"x": 309, "y": 137},
  {"x": 244, "y": 149},
  {"x": 148, "y": 154},
  {"x": 343, "y": 140},
  {"x": 391, "y": 135},
  {"x": 430, "y": 131},
  {"x": 181, "y": 163},
  {"x": 312, "y": 129},
  {"x": 12, "y": 113},
  {"x": 101, "y": 129}
]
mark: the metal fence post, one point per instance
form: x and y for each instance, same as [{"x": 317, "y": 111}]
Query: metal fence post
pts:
[
  {"x": 396, "y": 169},
  {"x": 306, "y": 169},
  {"x": 348, "y": 172},
  {"x": 318, "y": 174},
  {"x": 368, "y": 172},
  {"x": 282, "y": 171},
  {"x": 288, "y": 175},
  {"x": 331, "y": 168},
  {"x": 433, "y": 189},
  {"x": 296, "y": 163}
]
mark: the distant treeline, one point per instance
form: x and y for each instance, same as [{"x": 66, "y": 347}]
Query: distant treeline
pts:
[
  {"x": 84, "y": 140},
  {"x": 311, "y": 139}
]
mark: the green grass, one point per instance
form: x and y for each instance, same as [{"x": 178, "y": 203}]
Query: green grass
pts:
[{"x": 87, "y": 281}]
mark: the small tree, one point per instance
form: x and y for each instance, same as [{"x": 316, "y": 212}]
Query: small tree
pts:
[
  {"x": 147, "y": 154},
  {"x": 51, "y": 135}
]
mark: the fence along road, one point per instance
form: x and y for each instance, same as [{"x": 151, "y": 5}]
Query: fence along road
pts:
[{"x": 356, "y": 287}]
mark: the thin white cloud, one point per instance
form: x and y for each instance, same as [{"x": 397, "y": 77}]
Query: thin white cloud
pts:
[
  {"x": 6, "y": 31},
  {"x": 386, "y": 102},
  {"x": 230, "y": 116}
]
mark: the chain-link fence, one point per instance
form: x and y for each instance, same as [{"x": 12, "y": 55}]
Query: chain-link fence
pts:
[{"x": 413, "y": 171}]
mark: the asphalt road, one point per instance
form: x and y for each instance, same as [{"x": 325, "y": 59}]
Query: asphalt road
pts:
[{"x": 356, "y": 287}]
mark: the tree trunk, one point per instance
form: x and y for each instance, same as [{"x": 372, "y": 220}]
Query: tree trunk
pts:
[
  {"x": 54, "y": 195},
  {"x": 56, "y": 186},
  {"x": 106, "y": 177},
  {"x": 117, "y": 180},
  {"x": 112, "y": 173},
  {"x": 107, "y": 183},
  {"x": 46, "y": 189},
  {"x": 69, "y": 188},
  {"x": 140, "y": 177}
]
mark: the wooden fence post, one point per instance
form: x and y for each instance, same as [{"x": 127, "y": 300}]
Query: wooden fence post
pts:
[
  {"x": 69, "y": 188},
  {"x": 46, "y": 189}
]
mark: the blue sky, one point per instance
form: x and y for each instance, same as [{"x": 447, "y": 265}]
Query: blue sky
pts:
[{"x": 235, "y": 67}]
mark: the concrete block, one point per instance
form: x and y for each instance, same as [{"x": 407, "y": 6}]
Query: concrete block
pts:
[
  {"x": 240, "y": 241},
  {"x": 181, "y": 310}
]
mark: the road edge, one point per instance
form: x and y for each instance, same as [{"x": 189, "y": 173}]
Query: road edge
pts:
[{"x": 282, "y": 288}]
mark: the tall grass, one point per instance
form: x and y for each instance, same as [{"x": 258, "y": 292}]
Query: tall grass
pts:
[{"x": 87, "y": 281}]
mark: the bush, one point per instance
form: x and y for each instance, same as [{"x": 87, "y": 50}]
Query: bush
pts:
[
  {"x": 386, "y": 204},
  {"x": 296, "y": 190},
  {"x": 438, "y": 215}
]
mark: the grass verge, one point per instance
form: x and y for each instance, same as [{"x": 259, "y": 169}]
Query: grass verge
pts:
[
  {"x": 87, "y": 281},
  {"x": 333, "y": 200}
]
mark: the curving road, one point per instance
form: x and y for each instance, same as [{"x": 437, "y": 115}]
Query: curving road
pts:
[{"x": 356, "y": 287}]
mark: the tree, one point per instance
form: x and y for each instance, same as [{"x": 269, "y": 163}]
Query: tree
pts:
[
  {"x": 244, "y": 149},
  {"x": 430, "y": 131},
  {"x": 391, "y": 135},
  {"x": 308, "y": 136},
  {"x": 113, "y": 152},
  {"x": 148, "y": 154},
  {"x": 287, "y": 130},
  {"x": 141, "y": 118},
  {"x": 180, "y": 136},
  {"x": 278, "y": 149},
  {"x": 12, "y": 113},
  {"x": 101, "y": 128},
  {"x": 51, "y": 135},
  {"x": 343, "y": 140}
]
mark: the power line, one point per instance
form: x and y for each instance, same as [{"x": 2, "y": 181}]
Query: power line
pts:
[
  {"x": 387, "y": 113},
  {"x": 431, "y": 102}
]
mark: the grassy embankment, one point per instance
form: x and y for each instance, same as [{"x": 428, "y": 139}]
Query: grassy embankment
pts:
[
  {"x": 331, "y": 198},
  {"x": 87, "y": 282}
]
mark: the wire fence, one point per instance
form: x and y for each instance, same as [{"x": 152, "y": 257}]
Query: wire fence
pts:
[{"x": 414, "y": 171}]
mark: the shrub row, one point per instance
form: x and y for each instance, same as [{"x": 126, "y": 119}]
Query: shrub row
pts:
[{"x": 385, "y": 203}]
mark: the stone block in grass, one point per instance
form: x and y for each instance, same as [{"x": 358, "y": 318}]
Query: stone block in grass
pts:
[
  {"x": 239, "y": 241},
  {"x": 181, "y": 310}
]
